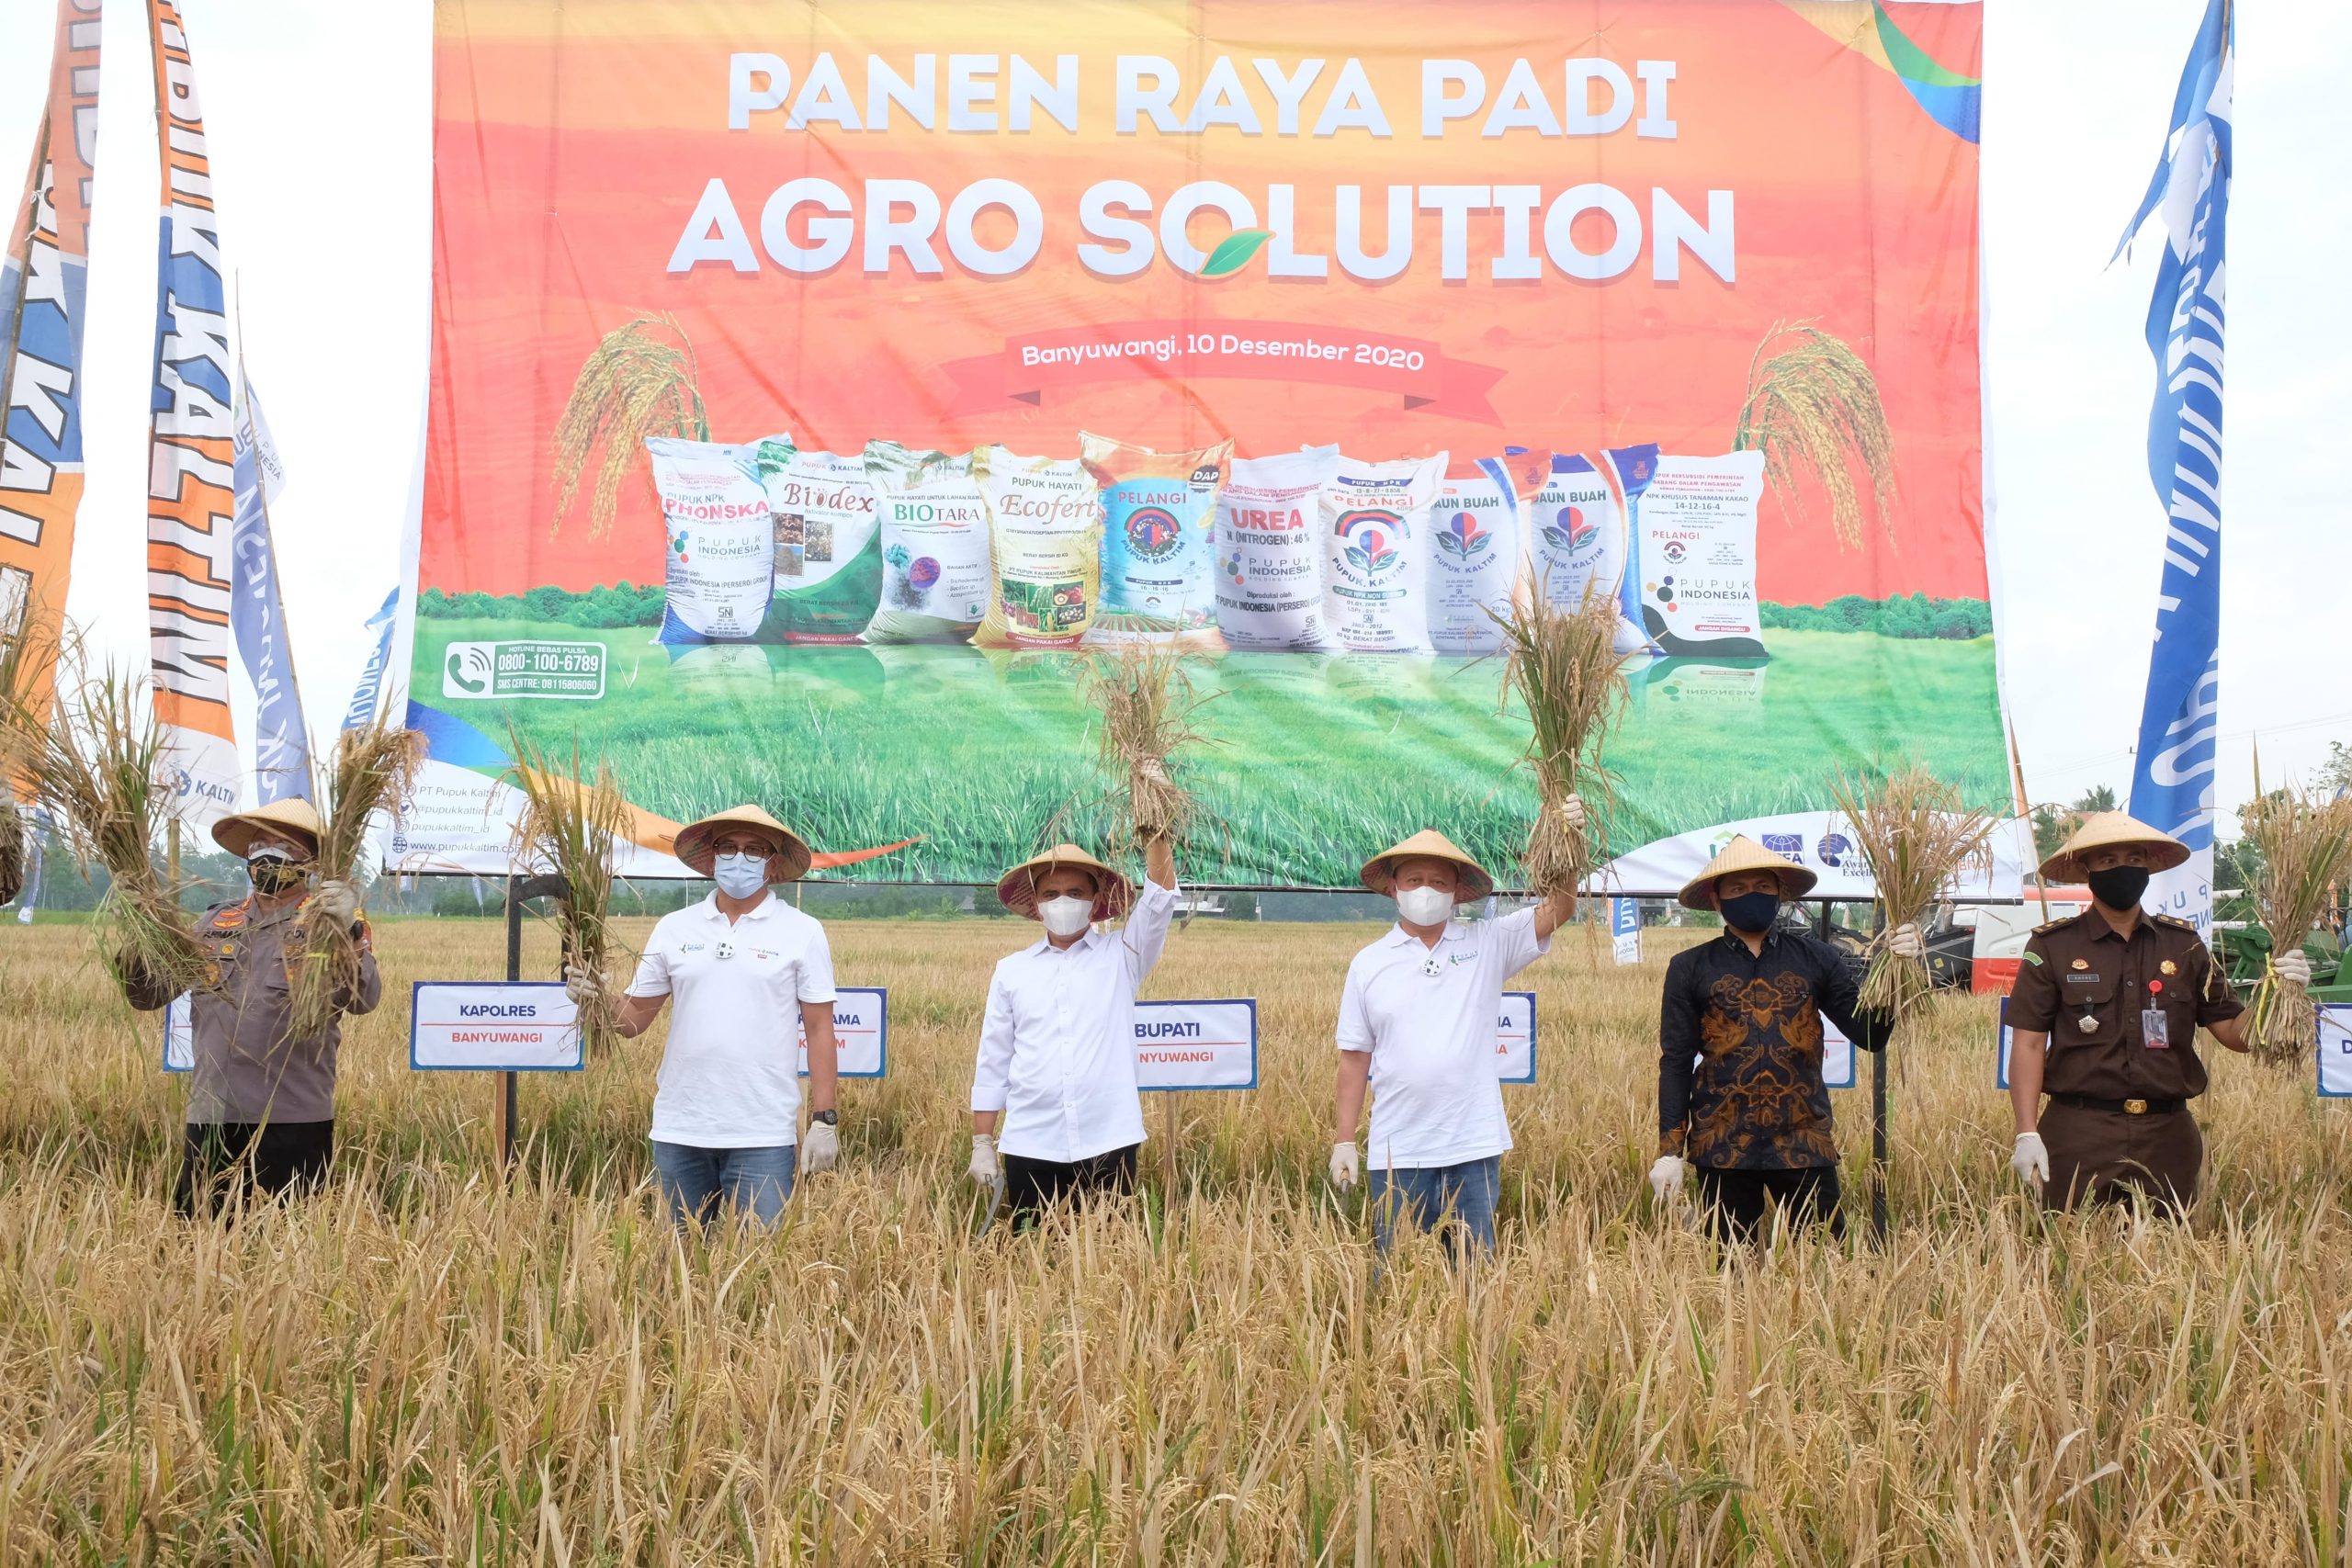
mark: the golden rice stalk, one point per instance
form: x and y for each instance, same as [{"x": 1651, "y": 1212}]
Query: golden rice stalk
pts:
[
  {"x": 1813, "y": 408},
  {"x": 373, "y": 769},
  {"x": 634, "y": 384},
  {"x": 574, "y": 821},
  {"x": 1565, "y": 669},
  {"x": 2304, "y": 844},
  {"x": 1147, "y": 704},
  {"x": 1917, "y": 835}
]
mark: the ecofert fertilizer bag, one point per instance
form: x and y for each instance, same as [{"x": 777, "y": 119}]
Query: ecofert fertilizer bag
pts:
[
  {"x": 1477, "y": 542},
  {"x": 827, "y": 540},
  {"x": 1158, "y": 540},
  {"x": 1046, "y": 540},
  {"x": 1375, "y": 525},
  {"x": 1270, "y": 553},
  {"x": 1698, "y": 548},
  {"x": 717, "y": 552},
  {"x": 934, "y": 531}
]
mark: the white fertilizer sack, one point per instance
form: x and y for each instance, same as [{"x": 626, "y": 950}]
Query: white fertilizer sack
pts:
[
  {"x": 1697, "y": 554},
  {"x": 1270, "y": 553},
  {"x": 1479, "y": 547},
  {"x": 718, "y": 545},
  {"x": 1375, "y": 527},
  {"x": 934, "y": 545}
]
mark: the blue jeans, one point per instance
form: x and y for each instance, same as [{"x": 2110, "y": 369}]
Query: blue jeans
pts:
[
  {"x": 1425, "y": 1199},
  {"x": 695, "y": 1181}
]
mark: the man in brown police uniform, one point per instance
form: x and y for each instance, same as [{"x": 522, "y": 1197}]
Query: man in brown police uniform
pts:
[{"x": 2104, "y": 1019}]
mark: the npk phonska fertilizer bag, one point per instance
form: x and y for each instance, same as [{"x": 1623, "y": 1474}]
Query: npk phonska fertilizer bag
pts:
[
  {"x": 1376, "y": 524},
  {"x": 1698, "y": 548},
  {"x": 934, "y": 530},
  {"x": 1477, "y": 546},
  {"x": 828, "y": 544},
  {"x": 1270, "y": 553},
  {"x": 1158, "y": 538},
  {"x": 717, "y": 549},
  {"x": 1045, "y": 542},
  {"x": 1631, "y": 467}
]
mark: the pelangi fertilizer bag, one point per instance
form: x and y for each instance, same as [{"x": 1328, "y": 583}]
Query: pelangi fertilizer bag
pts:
[
  {"x": 1477, "y": 546},
  {"x": 718, "y": 551},
  {"x": 1374, "y": 519},
  {"x": 1698, "y": 551},
  {"x": 1631, "y": 467},
  {"x": 1158, "y": 539},
  {"x": 826, "y": 542},
  {"x": 1270, "y": 553},
  {"x": 934, "y": 533},
  {"x": 1045, "y": 541}
]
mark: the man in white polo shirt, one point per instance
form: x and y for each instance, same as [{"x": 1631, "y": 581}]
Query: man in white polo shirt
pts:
[
  {"x": 747, "y": 971},
  {"x": 1056, "y": 1113},
  {"x": 1417, "y": 1023}
]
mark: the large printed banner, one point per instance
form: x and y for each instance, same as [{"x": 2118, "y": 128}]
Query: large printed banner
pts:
[{"x": 817, "y": 386}]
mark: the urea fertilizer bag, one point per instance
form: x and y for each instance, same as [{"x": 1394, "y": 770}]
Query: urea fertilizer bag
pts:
[
  {"x": 1632, "y": 467},
  {"x": 1158, "y": 539},
  {"x": 935, "y": 532},
  {"x": 1477, "y": 546},
  {"x": 1045, "y": 542},
  {"x": 1698, "y": 551},
  {"x": 827, "y": 544},
  {"x": 717, "y": 550},
  {"x": 1270, "y": 553},
  {"x": 1374, "y": 520}
]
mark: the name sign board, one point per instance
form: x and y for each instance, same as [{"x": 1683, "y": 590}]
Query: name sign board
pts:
[
  {"x": 1836, "y": 1056},
  {"x": 861, "y": 1033},
  {"x": 179, "y": 1036},
  {"x": 1515, "y": 1038},
  {"x": 2336, "y": 1050},
  {"x": 494, "y": 1026},
  {"x": 1196, "y": 1044}
]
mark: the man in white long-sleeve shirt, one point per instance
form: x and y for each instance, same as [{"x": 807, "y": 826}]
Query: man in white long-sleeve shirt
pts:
[{"x": 1056, "y": 1112}]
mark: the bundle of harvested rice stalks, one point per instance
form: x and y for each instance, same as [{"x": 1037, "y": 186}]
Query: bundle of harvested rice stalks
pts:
[
  {"x": 1145, "y": 701},
  {"x": 373, "y": 768},
  {"x": 1917, "y": 835},
  {"x": 2304, "y": 845},
  {"x": 574, "y": 821},
  {"x": 1813, "y": 407},
  {"x": 30, "y": 645},
  {"x": 1565, "y": 669},
  {"x": 635, "y": 383}
]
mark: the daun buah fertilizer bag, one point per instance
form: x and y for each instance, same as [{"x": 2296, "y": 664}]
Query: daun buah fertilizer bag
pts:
[
  {"x": 1477, "y": 546},
  {"x": 1045, "y": 544},
  {"x": 934, "y": 531},
  {"x": 1159, "y": 537},
  {"x": 1375, "y": 527},
  {"x": 1270, "y": 553},
  {"x": 828, "y": 544},
  {"x": 1579, "y": 542},
  {"x": 1631, "y": 467},
  {"x": 717, "y": 549},
  {"x": 1698, "y": 551}
]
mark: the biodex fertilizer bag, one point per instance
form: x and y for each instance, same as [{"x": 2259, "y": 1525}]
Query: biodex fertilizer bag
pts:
[
  {"x": 718, "y": 556},
  {"x": 1477, "y": 546},
  {"x": 1270, "y": 553},
  {"x": 1376, "y": 524},
  {"x": 1046, "y": 540},
  {"x": 1632, "y": 467},
  {"x": 1698, "y": 551},
  {"x": 934, "y": 531},
  {"x": 1158, "y": 541},
  {"x": 826, "y": 543}
]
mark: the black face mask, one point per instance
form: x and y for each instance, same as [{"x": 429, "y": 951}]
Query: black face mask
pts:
[
  {"x": 2119, "y": 887},
  {"x": 273, "y": 876},
  {"x": 1750, "y": 911}
]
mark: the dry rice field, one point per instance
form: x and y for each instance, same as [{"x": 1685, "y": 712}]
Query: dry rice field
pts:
[{"x": 430, "y": 1364}]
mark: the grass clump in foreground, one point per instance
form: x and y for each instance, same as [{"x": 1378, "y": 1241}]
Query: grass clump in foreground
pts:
[{"x": 424, "y": 1364}]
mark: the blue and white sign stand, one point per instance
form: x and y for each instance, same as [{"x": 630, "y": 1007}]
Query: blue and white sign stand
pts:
[
  {"x": 2335, "y": 1051},
  {"x": 1515, "y": 1038},
  {"x": 494, "y": 1026}
]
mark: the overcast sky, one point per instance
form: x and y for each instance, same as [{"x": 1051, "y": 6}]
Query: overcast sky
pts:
[{"x": 319, "y": 116}]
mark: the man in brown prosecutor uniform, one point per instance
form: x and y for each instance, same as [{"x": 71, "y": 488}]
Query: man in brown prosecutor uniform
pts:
[{"x": 2103, "y": 1020}]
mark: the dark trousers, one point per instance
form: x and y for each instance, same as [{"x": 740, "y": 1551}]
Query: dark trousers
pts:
[
  {"x": 2108, "y": 1156},
  {"x": 1030, "y": 1184},
  {"x": 226, "y": 1160},
  {"x": 1739, "y": 1202}
]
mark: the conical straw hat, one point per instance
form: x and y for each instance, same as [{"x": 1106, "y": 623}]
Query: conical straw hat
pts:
[
  {"x": 789, "y": 864},
  {"x": 1744, "y": 853},
  {"x": 1380, "y": 871},
  {"x": 1017, "y": 888},
  {"x": 2110, "y": 830},
  {"x": 235, "y": 834}
]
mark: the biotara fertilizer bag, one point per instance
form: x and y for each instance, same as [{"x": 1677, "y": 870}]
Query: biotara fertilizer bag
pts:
[
  {"x": 934, "y": 531},
  {"x": 1159, "y": 537},
  {"x": 717, "y": 546},
  {"x": 826, "y": 542},
  {"x": 1477, "y": 538},
  {"x": 1046, "y": 543},
  {"x": 1376, "y": 524},
  {"x": 1270, "y": 553},
  {"x": 1698, "y": 548}
]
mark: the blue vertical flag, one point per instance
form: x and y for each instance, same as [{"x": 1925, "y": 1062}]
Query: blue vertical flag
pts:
[
  {"x": 370, "y": 689},
  {"x": 1625, "y": 929},
  {"x": 257, "y": 613},
  {"x": 2172, "y": 779}
]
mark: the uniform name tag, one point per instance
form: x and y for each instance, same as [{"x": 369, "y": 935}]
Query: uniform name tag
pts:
[
  {"x": 2081, "y": 979},
  {"x": 2156, "y": 1029}
]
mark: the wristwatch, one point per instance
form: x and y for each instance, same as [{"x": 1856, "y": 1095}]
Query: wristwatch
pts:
[{"x": 830, "y": 1118}]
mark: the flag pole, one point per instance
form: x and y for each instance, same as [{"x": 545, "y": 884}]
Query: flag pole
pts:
[{"x": 2025, "y": 809}]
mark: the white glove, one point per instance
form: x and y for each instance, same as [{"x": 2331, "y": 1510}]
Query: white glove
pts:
[
  {"x": 1572, "y": 813},
  {"x": 2294, "y": 967},
  {"x": 1905, "y": 942},
  {"x": 1666, "y": 1178},
  {"x": 1343, "y": 1165},
  {"x": 340, "y": 904},
  {"x": 985, "y": 1169},
  {"x": 2030, "y": 1159},
  {"x": 582, "y": 985},
  {"x": 820, "y": 1149}
]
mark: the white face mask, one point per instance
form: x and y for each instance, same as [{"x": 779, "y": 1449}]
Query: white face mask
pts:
[
  {"x": 1066, "y": 917},
  {"x": 1424, "y": 906},
  {"x": 739, "y": 876}
]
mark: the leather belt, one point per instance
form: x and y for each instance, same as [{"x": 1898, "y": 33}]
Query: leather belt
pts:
[{"x": 2123, "y": 1107}]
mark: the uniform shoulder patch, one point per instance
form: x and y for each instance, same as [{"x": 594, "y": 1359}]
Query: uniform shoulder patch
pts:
[
  {"x": 2054, "y": 925},
  {"x": 2177, "y": 923},
  {"x": 2033, "y": 957}
]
